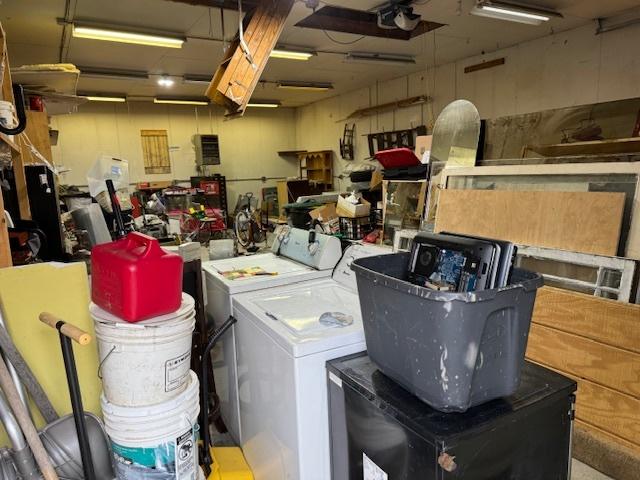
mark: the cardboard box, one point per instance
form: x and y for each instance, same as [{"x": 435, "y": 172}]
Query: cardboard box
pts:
[
  {"x": 325, "y": 213},
  {"x": 376, "y": 180},
  {"x": 423, "y": 145},
  {"x": 346, "y": 209}
]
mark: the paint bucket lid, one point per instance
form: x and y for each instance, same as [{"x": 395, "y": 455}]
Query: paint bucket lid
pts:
[{"x": 186, "y": 309}]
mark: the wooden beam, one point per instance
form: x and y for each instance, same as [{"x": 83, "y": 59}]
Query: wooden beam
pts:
[
  {"x": 5, "y": 250},
  {"x": 484, "y": 65},
  {"x": 404, "y": 103},
  {"x": 21, "y": 181},
  {"x": 38, "y": 133},
  {"x": 237, "y": 76}
]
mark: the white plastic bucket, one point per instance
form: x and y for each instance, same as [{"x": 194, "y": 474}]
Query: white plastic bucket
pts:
[
  {"x": 7, "y": 115},
  {"x": 144, "y": 363},
  {"x": 157, "y": 442},
  {"x": 219, "y": 249}
]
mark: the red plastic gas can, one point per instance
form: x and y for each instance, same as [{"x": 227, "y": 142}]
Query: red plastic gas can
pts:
[{"x": 135, "y": 279}]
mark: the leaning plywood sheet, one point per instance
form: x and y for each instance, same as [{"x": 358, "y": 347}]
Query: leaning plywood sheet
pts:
[
  {"x": 62, "y": 289},
  {"x": 606, "y": 321},
  {"x": 587, "y": 222},
  {"x": 597, "y": 342}
]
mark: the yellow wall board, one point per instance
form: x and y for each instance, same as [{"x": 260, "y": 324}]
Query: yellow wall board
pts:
[{"x": 61, "y": 289}]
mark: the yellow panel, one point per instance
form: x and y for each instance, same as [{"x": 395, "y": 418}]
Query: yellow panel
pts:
[
  {"x": 229, "y": 464},
  {"x": 61, "y": 289}
]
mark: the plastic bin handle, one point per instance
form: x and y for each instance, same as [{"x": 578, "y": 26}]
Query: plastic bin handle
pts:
[{"x": 136, "y": 239}]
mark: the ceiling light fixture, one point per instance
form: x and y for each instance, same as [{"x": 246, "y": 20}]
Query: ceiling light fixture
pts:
[
  {"x": 311, "y": 86},
  {"x": 165, "y": 81},
  {"x": 263, "y": 104},
  {"x": 112, "y": 74},
  {"x": 110, "y": 35},
  {"x": 196, "y": 79},
  {"x": 365, "y": 57},
  {"x": 513, "y": 12},
  {"x": 291, "y": 54},
  {"x": 177, "y": 101},
  {"x": 93, "y": 98}
]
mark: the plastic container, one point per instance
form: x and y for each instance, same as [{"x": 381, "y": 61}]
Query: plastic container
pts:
[
  {"x": 156, "y": 442},
  {"x": 219, "y": 249},
  {"x": 7, "y": 116},
  {"x": 451, "y": 350},
  {"x": 144, "y": 363},
  {"x": 135, "y": 279}
]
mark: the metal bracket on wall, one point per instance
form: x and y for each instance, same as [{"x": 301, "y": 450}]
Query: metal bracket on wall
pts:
[{"x": 394, "y": 139}]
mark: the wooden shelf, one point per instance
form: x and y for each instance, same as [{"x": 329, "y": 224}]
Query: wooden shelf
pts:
[
  {"x": 14, "y": 146},
  {"x": 318, "y": 168},
  {"x": 598, "y": 147},
  {"x": 291, "y": 153}
]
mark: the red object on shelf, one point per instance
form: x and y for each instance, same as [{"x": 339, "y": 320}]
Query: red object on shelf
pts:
[
  {"x": 210, "y": 187},
  {"x": 137, "y": 210},
  {"x": 135, "y": 279},
  {"x": 36, "y": 103},
  {"x": 397, "y": 158}
]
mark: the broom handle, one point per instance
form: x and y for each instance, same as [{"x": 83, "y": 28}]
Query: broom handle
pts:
[
  {"x": 29, "y": 430},
  {"x": 71, "y": 331}
]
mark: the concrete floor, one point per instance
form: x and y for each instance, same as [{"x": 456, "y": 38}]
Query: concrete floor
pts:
[{"x": 580, "y": 471}]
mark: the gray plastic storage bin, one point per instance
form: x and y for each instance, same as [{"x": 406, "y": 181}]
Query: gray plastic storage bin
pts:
[{"x": 452, "y": 350}]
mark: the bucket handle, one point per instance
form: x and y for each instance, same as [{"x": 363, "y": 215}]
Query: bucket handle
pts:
[
  {"x": 188, "y": 421},
  {"x": 113, "y": 349}
]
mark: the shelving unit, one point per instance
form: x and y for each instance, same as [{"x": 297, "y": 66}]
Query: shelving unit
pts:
[
  {"x": 317, "y": 167},
  {"x": 17, "y": 159}
]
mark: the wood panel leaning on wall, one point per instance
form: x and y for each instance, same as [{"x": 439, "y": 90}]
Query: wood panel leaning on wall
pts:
[{"x": 595, "y": 341}]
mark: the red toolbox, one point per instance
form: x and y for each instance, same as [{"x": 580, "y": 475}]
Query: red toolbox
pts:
[{"x": 135, "y": 279}]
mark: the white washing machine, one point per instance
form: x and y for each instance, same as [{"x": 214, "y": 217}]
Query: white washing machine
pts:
[
  {"x": 282, "y": 349},
  {"x": 293, "y": 258}
]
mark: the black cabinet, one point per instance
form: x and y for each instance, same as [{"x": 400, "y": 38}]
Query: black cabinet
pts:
[{"x": 380, "y": 428}]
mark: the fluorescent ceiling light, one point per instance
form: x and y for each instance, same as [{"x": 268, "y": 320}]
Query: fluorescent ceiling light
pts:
[
  {"x": 196, "y": 80},
  {"x": 112, "y": 74},
  {"x": 291, "y": 54},
  {"x": 177, "y": 101},
  {"x": 263, "y": 105},
  {"x": 365, "y": 57},
  {"x": 107, "y": 34},
  {"x": 166, "y": 81},
  {"x": 311, "y": 86},
  {"x": 513, "y": 12},
  {"x": 105, "y": 99}
]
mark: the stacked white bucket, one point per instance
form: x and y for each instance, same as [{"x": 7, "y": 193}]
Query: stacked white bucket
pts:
[{"x": 150, "y": 399}]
